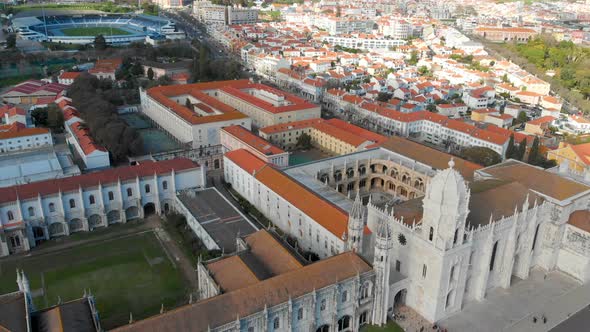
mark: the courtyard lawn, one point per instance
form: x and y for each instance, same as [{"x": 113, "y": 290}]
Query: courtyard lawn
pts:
[
  {"x": 94, "y": 31},
  {"x": 389, "y": 327},
  {"x": 128, "y": 274}
]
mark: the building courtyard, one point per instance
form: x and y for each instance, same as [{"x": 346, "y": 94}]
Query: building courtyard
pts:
[{"x": 128, "y": 271}]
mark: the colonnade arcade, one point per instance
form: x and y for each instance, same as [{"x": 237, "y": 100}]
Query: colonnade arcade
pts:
[{"x": 375, "y": 175}]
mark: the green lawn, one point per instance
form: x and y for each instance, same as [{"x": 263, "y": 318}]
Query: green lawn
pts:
[
  {"x": 131, "y": 274},
  {"x": 94, "y": 31},
  {"x": 390, "y": 327}
]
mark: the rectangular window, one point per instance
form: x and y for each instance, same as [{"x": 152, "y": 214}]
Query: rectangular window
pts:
[{"x": 398, "y": 265}]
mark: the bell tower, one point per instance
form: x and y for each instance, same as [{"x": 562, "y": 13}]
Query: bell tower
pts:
[{"x": 356, "y": 225}]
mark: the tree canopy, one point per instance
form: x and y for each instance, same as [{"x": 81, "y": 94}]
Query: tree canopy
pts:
[
  {"x": 91, "y": 97},
  {"x": 481, "y": 155}
]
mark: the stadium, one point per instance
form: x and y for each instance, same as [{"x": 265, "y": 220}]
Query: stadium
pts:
[{"x": 81, "y": 29}]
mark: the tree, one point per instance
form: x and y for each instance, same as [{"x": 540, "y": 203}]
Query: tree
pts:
[
  {"x": 100, "y": 43},
  {"x": 304, "y": 141},
  {"x": 39, "y": 117},
  {"x": 55, "y": 119},
  {"x": 522, "y": 117},
  {"x": 150, "y": 73},
  {"x": 521, "y": 150},
  {"x": 413, "y": 58},
  {"x": 11, "y": 41},
  {"x": 535, "y": 153},
  {"x": 203, "y": 62},
  {"x": 383, "y": 96},
  {"x": 511, "y": 150},
  {"x": 481, "y": 155},
  {"x": 137, "y": 69},
  {"x": 431, "y": 108}
]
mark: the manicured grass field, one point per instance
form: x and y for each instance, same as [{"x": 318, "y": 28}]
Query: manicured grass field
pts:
[
  {"x": 94, "y": 31},
  {"x": 130, "y": 274},
  {"x": 389, "y": 327}
]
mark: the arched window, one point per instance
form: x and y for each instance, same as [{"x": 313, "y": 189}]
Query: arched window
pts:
[
  {"x": 31, "y": 211},
  {"x": 10, "y": 215},
  {"x": 456, "y": 236},
  {"x": 51, "y": 207},
  {"x": 493, "y": 258},
  {"x": 91, "y": 199},
  {"x": 111, "y": 196},
  {"x": 365, "y": 290},
  {"x": 165, "y": 185},
  {"x": 72, "y": 203},
  {"x": 431, "y": 234},
  {"x": 343, "y": 323},
  {"x": 147, "y": 188},
  {"x": 129, "y": 192},
  {"x": 300, "y": 314},
  {"x": 424, "y": 270},
  {"x": 323, "y": 305},
  {"x": 344, "y": 296},
  {"x": 276, "y": 323}
]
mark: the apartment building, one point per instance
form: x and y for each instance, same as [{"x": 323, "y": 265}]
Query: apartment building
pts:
[
  {"x": 509, "y": 34},
  {"x": 212, "y": 14},
  {"x": 16, "y": 137},
  {"x": 366, "y": 42}
]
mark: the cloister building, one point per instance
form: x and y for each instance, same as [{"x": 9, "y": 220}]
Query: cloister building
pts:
[
  {"x": 34, "y": 212},
  {"x": 452, "y": 231}
]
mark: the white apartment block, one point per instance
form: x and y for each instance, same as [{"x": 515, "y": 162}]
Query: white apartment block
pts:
[
  {"x": 363, "y": 43},
  {"x": 16, "y": 138}
]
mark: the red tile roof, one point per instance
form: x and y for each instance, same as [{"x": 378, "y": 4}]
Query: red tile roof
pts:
[
  {"x": 112, "y": 175},
  {"x": 70, "y": 75},
  {"x": 541, "y": 120},
  {"x": 256, "y": 142},
  {"x": 356, "y": 130},
  {"x": 329, "y": 216},
  {"x": 281, "y": 127},
  {"x": 18, "y": 130},
  {"x": 84, "y": 139}
]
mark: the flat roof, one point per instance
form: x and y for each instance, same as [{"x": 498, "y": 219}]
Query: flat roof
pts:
[{"x": 222, "y": 221}]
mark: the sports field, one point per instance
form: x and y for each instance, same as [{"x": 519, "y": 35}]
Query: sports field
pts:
[
  {"x": 128, "y": 274},
  {"x": 94, "y": 31}
]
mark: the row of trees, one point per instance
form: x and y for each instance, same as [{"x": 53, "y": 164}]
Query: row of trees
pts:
[
  {"x": 535, "y": 156},
  {"x": 204, "y": 69},
  {"x": 570, "y": 62},
  {"x": 91, "y": 97}
]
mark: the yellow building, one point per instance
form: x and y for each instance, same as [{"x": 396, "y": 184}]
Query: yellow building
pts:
[{"x": 578, "y": 156}]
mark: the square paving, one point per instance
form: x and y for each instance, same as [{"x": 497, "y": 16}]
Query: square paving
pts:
[{"x": 509, "y": 309}]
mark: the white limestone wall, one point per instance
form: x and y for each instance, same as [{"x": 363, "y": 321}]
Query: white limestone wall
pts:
[
  {"x": 574, "y": 255},
  {"x": 310, "y": 234}
]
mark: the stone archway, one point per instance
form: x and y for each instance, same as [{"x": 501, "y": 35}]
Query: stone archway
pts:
[
  {"x": 132, "y": 212},
  {"x": 94, "y": 221},
  {"x": 149, "y": 209},
  {"x": 75, "y": 225},
  {"x": 344, "y": 323},
  {"x": 56, "y": 229},
  {"x": 113, "y": 217},
  {"x": 400, "y": 298}
]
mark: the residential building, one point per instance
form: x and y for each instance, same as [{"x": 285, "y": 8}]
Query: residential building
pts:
[
  {"x": 576, "y": 157},
  {"x": 501, "y": 34},
  {"x": 106, "y": 68},
  {"x": 10, "y": 114},
  {"x": 452, "y": 110},
  {"x": 333, "y": 136},
  {"x": 539, "y": 126},
  {"x": 68, "y": 77},
  {"x": 15, "y": 137},
  {"x": 237, "y": 137}
]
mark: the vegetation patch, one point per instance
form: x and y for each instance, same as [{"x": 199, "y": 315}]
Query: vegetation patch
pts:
[
  {"x": 94, "y": 31},
  {"x": 129, "y": 274}
]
